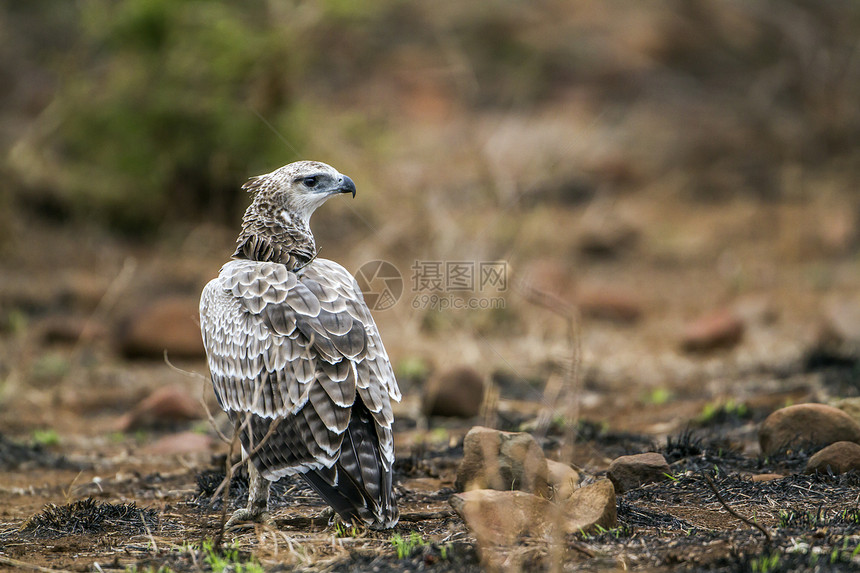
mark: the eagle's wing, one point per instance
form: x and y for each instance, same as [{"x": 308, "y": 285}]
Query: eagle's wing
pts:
[{"x": 292, "y": 352}]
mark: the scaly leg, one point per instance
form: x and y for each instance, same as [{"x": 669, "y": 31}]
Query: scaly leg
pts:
[{"x": 258, "y": 500}]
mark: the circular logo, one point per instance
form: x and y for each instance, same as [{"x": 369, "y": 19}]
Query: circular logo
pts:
[{"x": 381, "y": 283}]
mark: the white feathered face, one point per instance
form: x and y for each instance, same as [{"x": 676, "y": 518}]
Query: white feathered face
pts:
[{"x": 296, "y": 190}]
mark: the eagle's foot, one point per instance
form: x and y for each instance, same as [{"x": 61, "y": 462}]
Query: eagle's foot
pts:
[
  {"x": 329, "y": 515},
  {"x": 340, "y": 526},
  {"x": 257, "y": 510},
  {"x": 247, "y": 515}
]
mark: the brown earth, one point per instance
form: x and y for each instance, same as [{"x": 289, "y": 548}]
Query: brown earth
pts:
[
  {"x": 700, "y": 410},
  {"x": 670, "y": 192}
]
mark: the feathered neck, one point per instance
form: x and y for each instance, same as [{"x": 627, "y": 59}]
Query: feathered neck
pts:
[{"x": 278, "y": 240}]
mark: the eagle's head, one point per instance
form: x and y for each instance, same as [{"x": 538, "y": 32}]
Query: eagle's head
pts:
[
  {"x": 276, "y": 224},
  {"x": 293, "y": 192}
]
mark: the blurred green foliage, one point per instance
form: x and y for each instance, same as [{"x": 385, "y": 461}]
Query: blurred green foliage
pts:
[
  {"x": 180, "y": 100},
  {"x": 160, "y": 109},
  {"x": 164, "y": 107},
  {"x": 49, "y": 368},
  {"x": 413, "y": 368},
  {"x": 46, "y": 437}
]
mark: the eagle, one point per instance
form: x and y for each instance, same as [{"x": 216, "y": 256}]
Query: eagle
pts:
[{"x": 296, "y": 358}]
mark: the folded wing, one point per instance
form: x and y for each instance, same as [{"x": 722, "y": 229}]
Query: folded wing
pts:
[{"x": 298, "y": 358}]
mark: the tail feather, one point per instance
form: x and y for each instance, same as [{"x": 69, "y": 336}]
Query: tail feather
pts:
[{"x": 358, "y": 487}]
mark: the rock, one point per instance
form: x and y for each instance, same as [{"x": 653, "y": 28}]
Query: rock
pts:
[
  {"x": 83, "y": 289},
  {"x": 503, "y": 517},
  {"x": 755, "y": 309},
  {"x": 606, "y": 235},
  {"x": 181, "y": 443},
  {"x": 65, "y": 329},
  {"x": 168, "y": 324},
  {"x": 563, "y": 480},
  {"x": 839, "y": 331},
  {"x": 806, "y": 425},
  {"x": 838, "y": 458},
  {"x": 564, "y": 189},
  {"x": 591, "y": 506},
  {"x": 502, "y": 461},
  {"x": 630, "y": 472},
  {"x": 609, "y": 304},
  {"x": 457, "y": 392},
  {"x": 719, "y": 329},
  {"x": 425, "y": 485},
  {"x": 165, "y": 407},
  {"x": 613, "y": 167},
  {"x": 547, "y": 276},
  {"x": 760, "y": 478},
  {"x": 839, "y": 231}
]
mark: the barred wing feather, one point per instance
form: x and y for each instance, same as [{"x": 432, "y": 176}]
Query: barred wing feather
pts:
[{"x": 300, "y": 354}]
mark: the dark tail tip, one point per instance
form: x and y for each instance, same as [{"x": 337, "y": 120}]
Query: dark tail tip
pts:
[
  {"x": 351, "y": 501},
  {"x": 359, "y": 486}
]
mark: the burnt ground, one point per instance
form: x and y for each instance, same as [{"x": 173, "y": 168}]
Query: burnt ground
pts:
[
  {"x": 645, "y": 163},
  {"x": 79, "y": 493},
  {"x": 116, "y": 513}
]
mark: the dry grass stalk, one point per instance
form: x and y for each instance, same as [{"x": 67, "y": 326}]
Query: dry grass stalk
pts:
[
  {"x": 29, "y": 566},
  {"x": 564, "y": 389},
  {"x": 225, "y": 500},
  {"x": 490, "y": 405}
]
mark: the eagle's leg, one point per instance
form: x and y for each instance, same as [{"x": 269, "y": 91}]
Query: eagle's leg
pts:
[{"x": 258, "y": 500}]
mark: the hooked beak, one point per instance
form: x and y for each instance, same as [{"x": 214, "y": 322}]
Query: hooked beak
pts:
[{"x": 346, "y": 185}]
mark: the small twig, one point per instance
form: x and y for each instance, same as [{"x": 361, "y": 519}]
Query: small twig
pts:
[
  {"x": 272, "y": 427},
  {"x": 225, "y": 501},
  {"x": 570, "y": 385},
  {"x": 565, "y": 389},
  {"x": 202, "y": 400},
  {"x": 411, "y": 517},
  {"x": 107, "y": 301},
  {"x": 734, "y": 513},
  {"x": 302, "y": 522},
  {"x": 67, "y": 493},
  {"x": 29, "y": 566},
  {"x": 581, "y": 548},
  {"x": 148, "y": 533},
  {"x": 414, "y": 516}
]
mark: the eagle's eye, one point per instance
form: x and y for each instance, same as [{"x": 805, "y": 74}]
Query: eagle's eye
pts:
[{"x": 310, "y": 182}]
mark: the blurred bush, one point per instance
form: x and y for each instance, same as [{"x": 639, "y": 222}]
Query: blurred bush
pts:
[
  {"x": 160, "y": 111},
  {"x": 163, "y": 107}
]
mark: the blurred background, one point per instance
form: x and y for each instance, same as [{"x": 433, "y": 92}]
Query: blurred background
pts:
[{"x": 670, "y": 187}]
